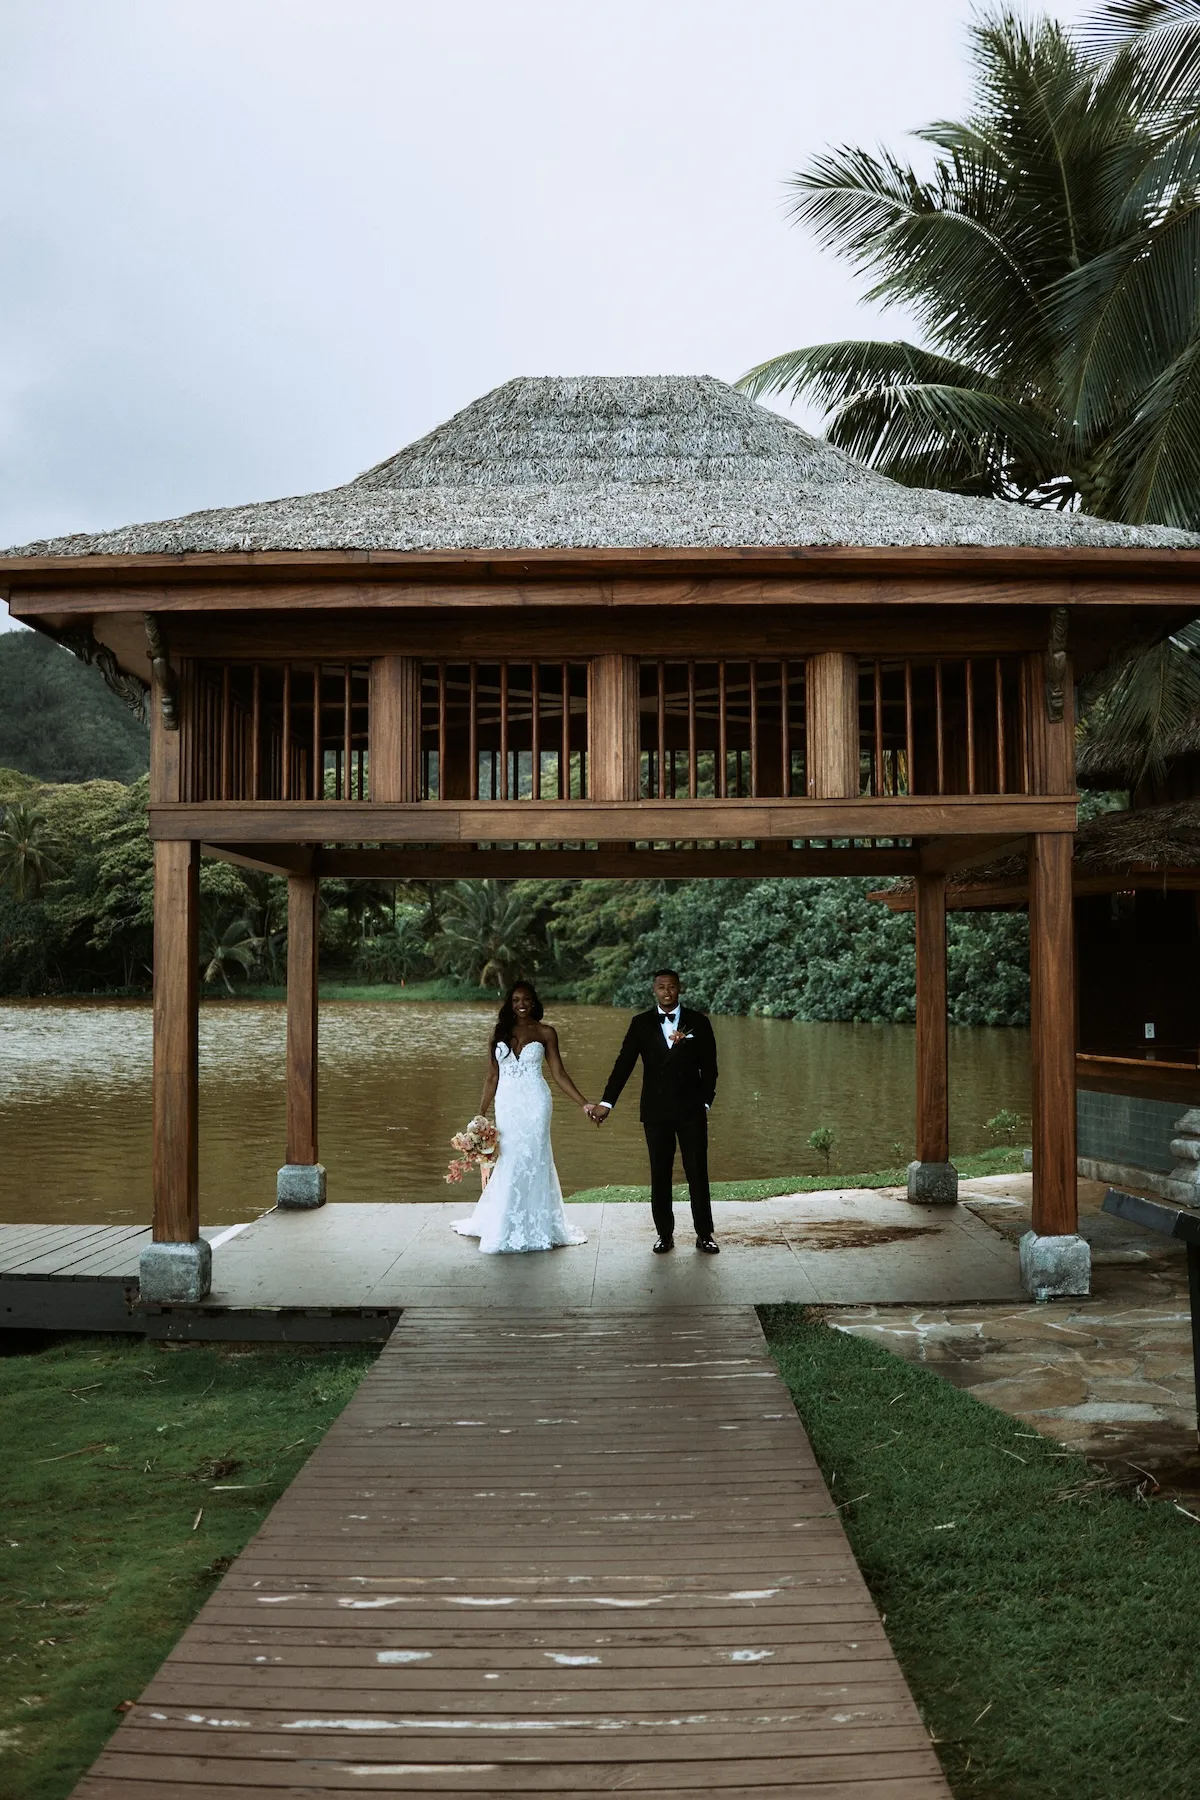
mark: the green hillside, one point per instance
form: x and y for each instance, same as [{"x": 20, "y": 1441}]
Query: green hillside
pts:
[{"x": 58, "y": 721}]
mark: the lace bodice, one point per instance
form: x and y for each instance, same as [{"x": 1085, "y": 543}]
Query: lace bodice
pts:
[{"x": 514, "y": 1067}]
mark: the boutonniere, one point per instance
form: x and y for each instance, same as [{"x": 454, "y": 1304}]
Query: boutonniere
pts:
[{"x": 678, "y": 1037}]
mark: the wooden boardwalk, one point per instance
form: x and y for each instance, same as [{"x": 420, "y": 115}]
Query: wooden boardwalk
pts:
[{"x": 578, "y": 1555}]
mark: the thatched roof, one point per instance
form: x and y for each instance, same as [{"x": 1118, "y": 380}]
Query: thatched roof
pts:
[
  {"x": 1146, "y": 840},
  {"x": 1097, "y": 765},
  {"x": 662, "y": 461}
]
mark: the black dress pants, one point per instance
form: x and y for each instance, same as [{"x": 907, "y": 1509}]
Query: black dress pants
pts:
[{"x": 691, "y": 1135}]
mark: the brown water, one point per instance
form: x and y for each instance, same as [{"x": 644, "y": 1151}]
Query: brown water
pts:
[{"x": 398, "y": 1078}]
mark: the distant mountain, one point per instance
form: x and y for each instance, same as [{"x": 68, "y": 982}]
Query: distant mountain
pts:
[{"x": 58, "y": 721}]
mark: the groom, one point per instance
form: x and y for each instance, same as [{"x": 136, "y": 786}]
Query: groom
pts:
[{"x": 679, "y": 1080}]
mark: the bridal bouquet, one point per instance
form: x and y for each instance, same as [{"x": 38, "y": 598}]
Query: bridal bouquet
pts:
[{"x": 479, "y": 1143}]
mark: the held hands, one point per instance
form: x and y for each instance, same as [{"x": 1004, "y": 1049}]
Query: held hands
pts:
[{"x": 596, "y": 1113}]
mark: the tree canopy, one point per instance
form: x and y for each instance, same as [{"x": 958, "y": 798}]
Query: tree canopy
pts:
[{"x": 58, "y": 721}]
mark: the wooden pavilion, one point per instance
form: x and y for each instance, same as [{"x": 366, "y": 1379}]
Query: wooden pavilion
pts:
[{"x": 610, "y": 627}]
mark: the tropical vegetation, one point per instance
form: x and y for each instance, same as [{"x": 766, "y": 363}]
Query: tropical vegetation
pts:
[{"x": 76, "y": 916}]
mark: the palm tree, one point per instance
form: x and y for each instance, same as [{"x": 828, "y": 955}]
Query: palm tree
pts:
[
  {"x": 235, "y": 947},
  {"x": 1053, "y": 260},
  {"x": 487, "y": 933},
  {"x": 28, "y": 859}
]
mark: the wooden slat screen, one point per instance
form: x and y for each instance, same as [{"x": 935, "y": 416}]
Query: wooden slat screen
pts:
[
  {"x": 943, "y": 726},
  {"x": 504, "y": 730},
  {"x": 722, "y": 730},
  {"x": 278, "y": 731}
]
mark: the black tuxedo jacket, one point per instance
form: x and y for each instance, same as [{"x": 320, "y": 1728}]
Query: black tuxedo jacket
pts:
[{"x": 677, "y": 1082}]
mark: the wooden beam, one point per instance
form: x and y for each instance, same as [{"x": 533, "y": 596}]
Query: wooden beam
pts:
[
  {"x": 950, "y": 562},
  {"x": 613, "y": 758},
  {"x": 419, "y": 864},
  {"x": 933, "y": 1089},
  {"x": 395, "y": 716},
  {"x": 175, "y": 1079},
  {"x": 302, "y": 960},
  {"x": 433, "y": 822},
  {"x": 1052, "y": 1035},
  {"x": 165, "y": 760},
  {"x": 1051, "y": 741},
  {"x": 268, "y": 859},
  {"x": 955, "y": 854},
  {"x": 1139, "y": 1078},
  {"x": 831, "y": 725}
]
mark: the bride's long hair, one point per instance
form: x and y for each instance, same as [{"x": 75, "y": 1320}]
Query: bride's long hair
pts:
[{"x": 506, "y": 1019}]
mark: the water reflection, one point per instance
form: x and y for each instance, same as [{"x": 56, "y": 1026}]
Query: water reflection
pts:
[{"x": 397, "y": 1079}]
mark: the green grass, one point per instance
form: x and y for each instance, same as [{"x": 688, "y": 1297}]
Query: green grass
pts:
[
  {"x": 1000, "y": 1161},
  {"x": 1052, "y": 1643},
  {"x": 111, "y": 1449}
]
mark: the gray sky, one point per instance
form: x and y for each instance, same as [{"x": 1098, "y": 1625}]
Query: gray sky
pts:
[{"x": 253, "y": 246}]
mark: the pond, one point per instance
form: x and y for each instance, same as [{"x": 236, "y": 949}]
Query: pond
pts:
[{"x": 397, "y": 1078}]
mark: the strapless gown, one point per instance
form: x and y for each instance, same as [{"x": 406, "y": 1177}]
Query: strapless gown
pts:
[{"x": 521, "y": 1208}]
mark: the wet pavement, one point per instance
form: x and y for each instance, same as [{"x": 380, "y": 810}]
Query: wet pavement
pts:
[{"x": 1110, "y": 1376}]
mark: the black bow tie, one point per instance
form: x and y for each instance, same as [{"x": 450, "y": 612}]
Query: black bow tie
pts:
[{"x": 670, "y": 1015}]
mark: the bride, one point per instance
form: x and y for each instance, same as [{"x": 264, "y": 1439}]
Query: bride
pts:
[{"x": 521, "y": 1207}]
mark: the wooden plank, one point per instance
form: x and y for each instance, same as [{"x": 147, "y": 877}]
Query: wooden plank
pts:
[
  {"x": 955, "y": 855},
  {"x": 435, "y": 822},
  {"x": 548, "y": 1599},
  {"x": 98, "y": 1254},
  {"x": 831, "y": 725},
  {"x": 1052, "y": 1035},
  {"x": 612, "y": 863},
  {"x": 302, "y": 970},
  {"x": 20, "y": 1244},
  {"x": 176, "y": 1041},
  {"x": 933, "y": 1043},
  {"x": 1141, "y": 1079}
]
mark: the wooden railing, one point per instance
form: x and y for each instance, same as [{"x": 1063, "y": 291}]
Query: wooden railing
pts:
[
  {"x": 942, "y": 726},
  {"x": 721, "y": 730},
  {"x": 504, "y": 730},
  {"x": 281, "y": 731},
  {"x": 671, "y": 729}
]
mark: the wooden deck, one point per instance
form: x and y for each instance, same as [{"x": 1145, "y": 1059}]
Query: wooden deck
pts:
[
  {"x": 344, "y": 1271},
  {"x": 581, "y": 1554}
]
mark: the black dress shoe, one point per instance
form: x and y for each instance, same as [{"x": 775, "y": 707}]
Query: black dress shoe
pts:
[
  {"x": 662, "y": 1245},
  {"x": 709, "y": 1245}
]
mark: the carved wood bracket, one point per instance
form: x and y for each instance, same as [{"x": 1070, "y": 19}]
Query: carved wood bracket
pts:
[
  {"x": 129, "y": 689},
  {"x": 1056, "y": 665},
  {"x": 164, "y": 673}
]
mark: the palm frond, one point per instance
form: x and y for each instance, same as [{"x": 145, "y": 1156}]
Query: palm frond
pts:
[
  {"x": 1159, "y": 450},
  {"x": 1139, "y": 707},
  {"x": 1153, "y": 44},
  {"x": 1126, "y": 315},
  {"x": 833, "y": 373}
]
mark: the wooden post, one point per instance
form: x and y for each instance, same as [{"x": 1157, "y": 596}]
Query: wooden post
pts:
[
  {"x": 301, "y": 1181},
  {"x": 933, "y": 1092},
  {"x": 613, "y": 737},
  {"x": 832, "y": 725},
  {"x": 395, "y": 728},
  {"x": 1052, "y": 1037},
  {"x": 176, "y": 1031}
]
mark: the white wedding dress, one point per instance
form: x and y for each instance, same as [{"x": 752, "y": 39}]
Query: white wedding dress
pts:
[{"x": 521, "y": 1208}]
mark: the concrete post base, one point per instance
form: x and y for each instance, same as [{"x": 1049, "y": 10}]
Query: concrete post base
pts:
[
  {"x": 300, "y": 1185},
  {"x": 175, "y": 1271},
  {"x": 933, "y": 1184},
  {"x": 1055, "y": 1267},
  {"x": 1183, "y": 1183}
]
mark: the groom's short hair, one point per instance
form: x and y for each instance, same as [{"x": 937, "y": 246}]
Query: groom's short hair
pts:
[{"x": 659, "y": 973}]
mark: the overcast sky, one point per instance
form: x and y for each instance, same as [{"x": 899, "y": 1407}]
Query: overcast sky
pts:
[{"x": 253, "y": 246}]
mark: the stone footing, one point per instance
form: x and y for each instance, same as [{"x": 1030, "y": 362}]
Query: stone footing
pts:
[
  {"x": 175, "y": 1271},
  {"x": 1055, "y": 1267},
  {"x": 1183, "y": 1183},
  {"x": 932, "y": 1184},
  {"x": 300, "y": 1185}
]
